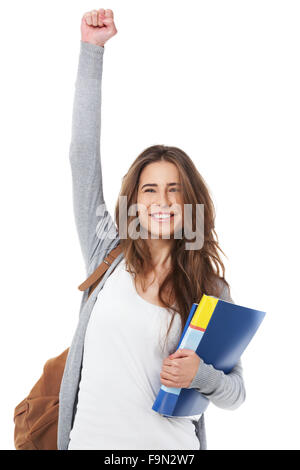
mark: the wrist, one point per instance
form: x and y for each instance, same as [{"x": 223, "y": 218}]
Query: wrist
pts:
[
  {"x": 207, "y": 378},
  {"x": 95, "y": 43},
  {"x": 87, "y": 48}
]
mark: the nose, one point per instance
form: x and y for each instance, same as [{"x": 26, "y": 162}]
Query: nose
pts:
[{"x": 163, "y": 199}]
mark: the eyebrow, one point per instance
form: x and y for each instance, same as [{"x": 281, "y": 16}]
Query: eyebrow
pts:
[{"x": 154, "y": 184}]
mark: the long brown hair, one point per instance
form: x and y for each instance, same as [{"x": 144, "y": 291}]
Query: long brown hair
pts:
[{"x": 194, "y": 272}]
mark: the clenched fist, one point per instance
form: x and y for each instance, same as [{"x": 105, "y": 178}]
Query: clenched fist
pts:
[{"x": 97, "y": 26}]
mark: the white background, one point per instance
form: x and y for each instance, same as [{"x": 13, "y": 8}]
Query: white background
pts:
[{"x": 219, "y": 79}]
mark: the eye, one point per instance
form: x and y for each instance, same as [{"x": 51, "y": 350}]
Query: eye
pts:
[{"x": 153, "y": 190}]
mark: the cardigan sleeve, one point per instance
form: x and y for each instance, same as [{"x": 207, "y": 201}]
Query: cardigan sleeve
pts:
[
  {"x": 226, "y": 391},
  {"x": 95, "y": 225}
]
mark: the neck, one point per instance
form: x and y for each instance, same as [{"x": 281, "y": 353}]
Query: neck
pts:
[{"x": 160, "y": 250}]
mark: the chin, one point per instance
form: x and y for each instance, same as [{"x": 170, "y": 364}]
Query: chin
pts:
[{"x": 154, "y": 235}]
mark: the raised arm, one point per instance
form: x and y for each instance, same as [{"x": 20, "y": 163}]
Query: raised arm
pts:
[{"x": 84, "y": 153}]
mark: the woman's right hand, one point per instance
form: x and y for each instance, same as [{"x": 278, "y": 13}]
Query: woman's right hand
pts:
[{"x": 97, "y": 26}]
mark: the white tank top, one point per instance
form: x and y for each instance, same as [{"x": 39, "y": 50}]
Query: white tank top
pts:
[{"x": 120, "y": 378}]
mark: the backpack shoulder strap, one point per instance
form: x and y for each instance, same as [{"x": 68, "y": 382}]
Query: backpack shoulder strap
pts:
[{"x": 93, "y": 280}]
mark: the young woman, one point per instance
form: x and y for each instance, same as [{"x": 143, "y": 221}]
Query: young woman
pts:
[{"x": 129, "y": 327}]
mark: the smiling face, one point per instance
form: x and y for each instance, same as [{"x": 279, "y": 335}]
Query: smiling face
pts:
[{"x": 160, "y": 202}]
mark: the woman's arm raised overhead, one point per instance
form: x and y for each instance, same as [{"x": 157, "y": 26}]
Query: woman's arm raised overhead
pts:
[{"x": 91, "y": 216}]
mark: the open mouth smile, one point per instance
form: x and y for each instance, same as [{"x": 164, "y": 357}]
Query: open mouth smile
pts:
[{"x": 162, "y": 216}]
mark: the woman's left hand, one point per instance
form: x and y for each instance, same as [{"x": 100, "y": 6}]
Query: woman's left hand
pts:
[{"x": 179, "y": 369}]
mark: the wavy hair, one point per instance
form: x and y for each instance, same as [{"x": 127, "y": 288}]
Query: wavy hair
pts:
[{"x": 193, "y": 272}]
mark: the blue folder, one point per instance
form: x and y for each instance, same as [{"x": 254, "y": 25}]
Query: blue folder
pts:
[{"x": 229, "y": 330}]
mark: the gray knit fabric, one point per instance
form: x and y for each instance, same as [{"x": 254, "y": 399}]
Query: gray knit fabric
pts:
[{"x": 97, "y": 236}]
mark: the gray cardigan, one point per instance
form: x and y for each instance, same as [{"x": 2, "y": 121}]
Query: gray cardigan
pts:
[{"x": 97, "y": 235}]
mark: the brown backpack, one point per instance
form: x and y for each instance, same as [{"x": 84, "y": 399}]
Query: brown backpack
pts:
[{"x": 36, "y": 417}]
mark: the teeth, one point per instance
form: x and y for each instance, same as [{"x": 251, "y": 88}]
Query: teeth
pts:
[{"x": 162, "y": 216}]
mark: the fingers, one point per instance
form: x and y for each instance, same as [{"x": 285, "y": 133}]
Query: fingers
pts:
[
  {"x": 168, "y": 362},
  {"x": 169, "y": 369},
  {"x": 109, "y": 14},
  {"x": 168, "y": 376},
  {"x": 101, "y": 14},
  {"x": 182, "y": 353},
  {"x": 88, "y": 18},
  {"x": 96, "y": 17},
  {"x": 169, "y": 380},
  {"x": 91, "y": 18}
]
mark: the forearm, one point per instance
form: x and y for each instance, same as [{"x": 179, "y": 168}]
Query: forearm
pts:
[
  {"x": 224, "y": 390},
  {"x": 86, "y": 118}
]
